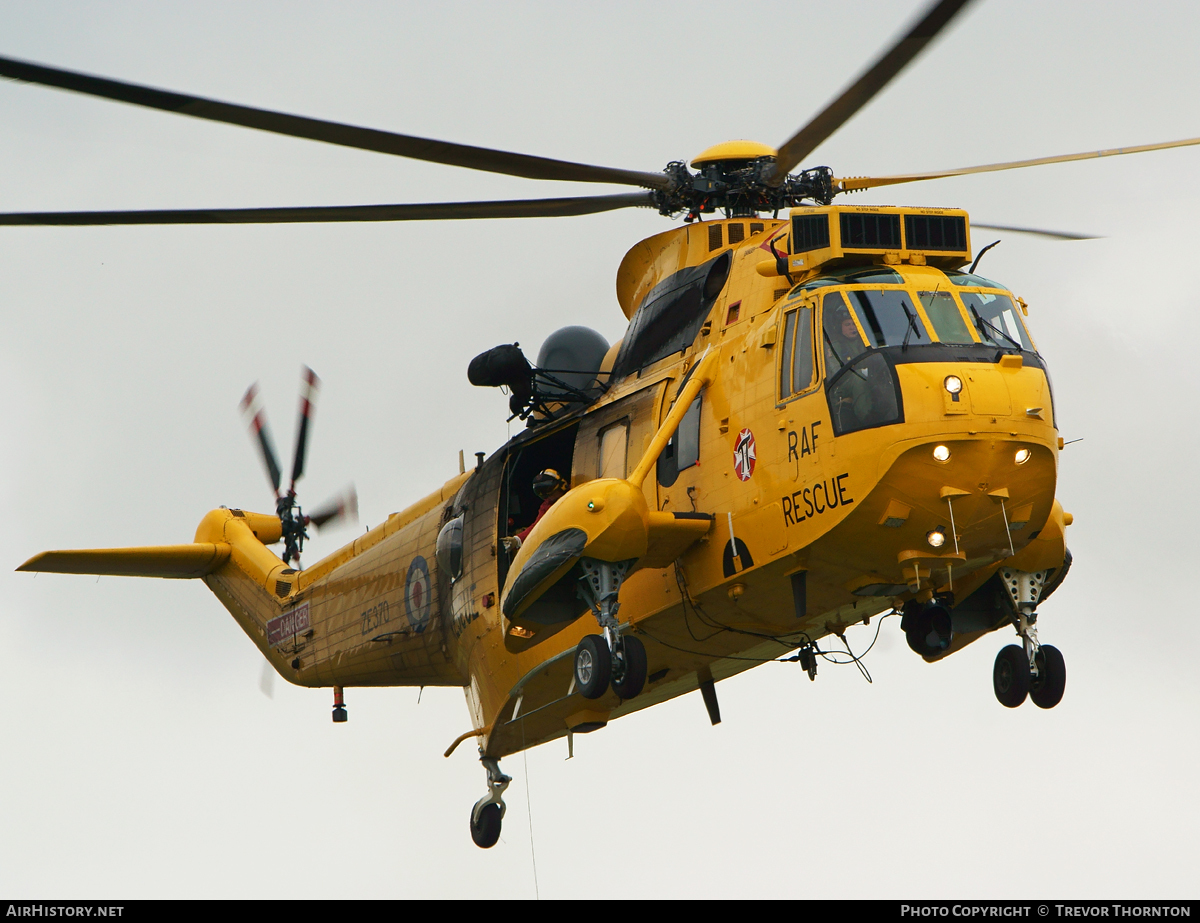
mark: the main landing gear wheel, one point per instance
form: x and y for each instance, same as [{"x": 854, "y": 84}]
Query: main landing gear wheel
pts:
[
  {"x": 629, "y": 670},
  {"x": 1047, "y": 688},
  {"x": 593, "y": 666},
  {"x": 485, "y": 829},
  {"x": 1010, "y": 676},
  {"x": 1045, "y": 673}
]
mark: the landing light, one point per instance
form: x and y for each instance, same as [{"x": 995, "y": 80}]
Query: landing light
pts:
[
  {"x": 936, "y": 538},
  {"x": 953, "y": 384},
  {"x": 941, "y": 453},
  {"x": 1022, "y": 456}
]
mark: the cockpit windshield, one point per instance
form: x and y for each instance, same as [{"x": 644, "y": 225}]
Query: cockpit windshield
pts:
[
  {"x": 966, "y": 278},
  {"x": 870, "y": 275},
  {"x": 946, "y": 318},
  {"x": 872, "y": 311},
  {"x": 996, "y": 320},
  {"x": 887, "y": 317}
]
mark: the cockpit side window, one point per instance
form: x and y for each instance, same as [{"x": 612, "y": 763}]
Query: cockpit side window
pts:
[
  {"x": 946, "y": 318},
  {"x": 797, "y": 368},
  {"x": 785, "y": 364},
  {"x": 996, "y": 320}
]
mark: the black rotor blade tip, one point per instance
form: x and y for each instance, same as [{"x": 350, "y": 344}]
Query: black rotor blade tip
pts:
[{"x": 309, "y": 385}]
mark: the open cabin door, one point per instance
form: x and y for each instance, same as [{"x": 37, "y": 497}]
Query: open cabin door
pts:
[{"x": 517, "y": 505}]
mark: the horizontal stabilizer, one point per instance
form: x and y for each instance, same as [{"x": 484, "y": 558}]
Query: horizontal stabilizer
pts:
[{"x": 179, "y": 561}]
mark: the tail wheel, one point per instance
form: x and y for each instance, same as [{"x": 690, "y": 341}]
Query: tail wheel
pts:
[
  {"x": 1047, "y": 688},
  {"x": 632, "y": 676},
  {"x": 593, "y": 666},
  {"x": 486, "y": 830},
  {"x": 1010, "y": 676}
]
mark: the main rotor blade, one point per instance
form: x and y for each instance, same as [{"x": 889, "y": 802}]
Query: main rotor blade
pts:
[
  {"x": 341, "y": 507},
  {"x": 838, "y": 112},
  {"x": 1039, "y": 232},
  {"x": 432, "y": 211},
  {"x": 852, "y": 183},
  {"x": 310, "y": 384},
  {"x": 252, "y": 410},
  {"x": 366, "y": 139}
]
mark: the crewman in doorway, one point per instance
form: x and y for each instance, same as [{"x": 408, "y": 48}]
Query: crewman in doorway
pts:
[{"x": 549, "y": 485}]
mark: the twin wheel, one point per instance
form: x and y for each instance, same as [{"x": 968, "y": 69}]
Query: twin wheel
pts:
[
  {"x": 599, "y": 664},
  {"x": 1014, "y": 678}
]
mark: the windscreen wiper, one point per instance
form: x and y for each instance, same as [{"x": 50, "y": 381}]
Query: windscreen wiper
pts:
[
  {"x": 980, "y": 323},
  {"x": 833, "y": 352},
  {"x": 912, "y": 325}
]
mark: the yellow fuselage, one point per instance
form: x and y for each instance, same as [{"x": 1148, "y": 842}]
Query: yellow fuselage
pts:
[{"x": 819, "y": 520}]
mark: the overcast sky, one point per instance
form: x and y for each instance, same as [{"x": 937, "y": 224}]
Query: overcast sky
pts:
[{"x": 140, "y": 757}]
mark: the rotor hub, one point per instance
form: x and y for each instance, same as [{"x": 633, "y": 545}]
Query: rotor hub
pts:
[{"x": 737, "y": 177}]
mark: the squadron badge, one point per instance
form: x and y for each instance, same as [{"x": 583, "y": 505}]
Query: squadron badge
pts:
[{"x": 743, "y": 455}]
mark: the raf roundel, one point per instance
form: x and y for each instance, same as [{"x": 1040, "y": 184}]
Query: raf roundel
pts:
[
  {"x": 416, "y": 594},
  {"x": 743, "y": 455}
]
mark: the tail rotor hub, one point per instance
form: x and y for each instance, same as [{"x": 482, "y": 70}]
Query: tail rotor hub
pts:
[{"x": 292, "y": 520}]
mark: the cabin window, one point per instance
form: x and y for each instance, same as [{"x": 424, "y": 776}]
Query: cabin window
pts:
[
  {"x": 996, "y": 320},
  {"x": 797, "y": 368},
  {"x": 613, "y": 444},
  {"x": 449, "y": 548},
  {"x": 669, "y": 318},
  {"x": 683, "y": 449},
  {"x": 948, "y": 321},
  {"x": 887, "y": 317}
]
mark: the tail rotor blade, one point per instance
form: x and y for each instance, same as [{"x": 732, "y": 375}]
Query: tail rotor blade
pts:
[
  {"x": 256, "y": 418},
  {"x": 310, "y": 384},
  {"x": 340, "y": 508}
]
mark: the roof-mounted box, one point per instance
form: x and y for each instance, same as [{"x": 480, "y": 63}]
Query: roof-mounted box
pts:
[{"x": 824, "y": 234}]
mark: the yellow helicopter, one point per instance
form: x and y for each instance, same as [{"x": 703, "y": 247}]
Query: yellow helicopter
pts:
[{"x": 812, "y": 421}]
